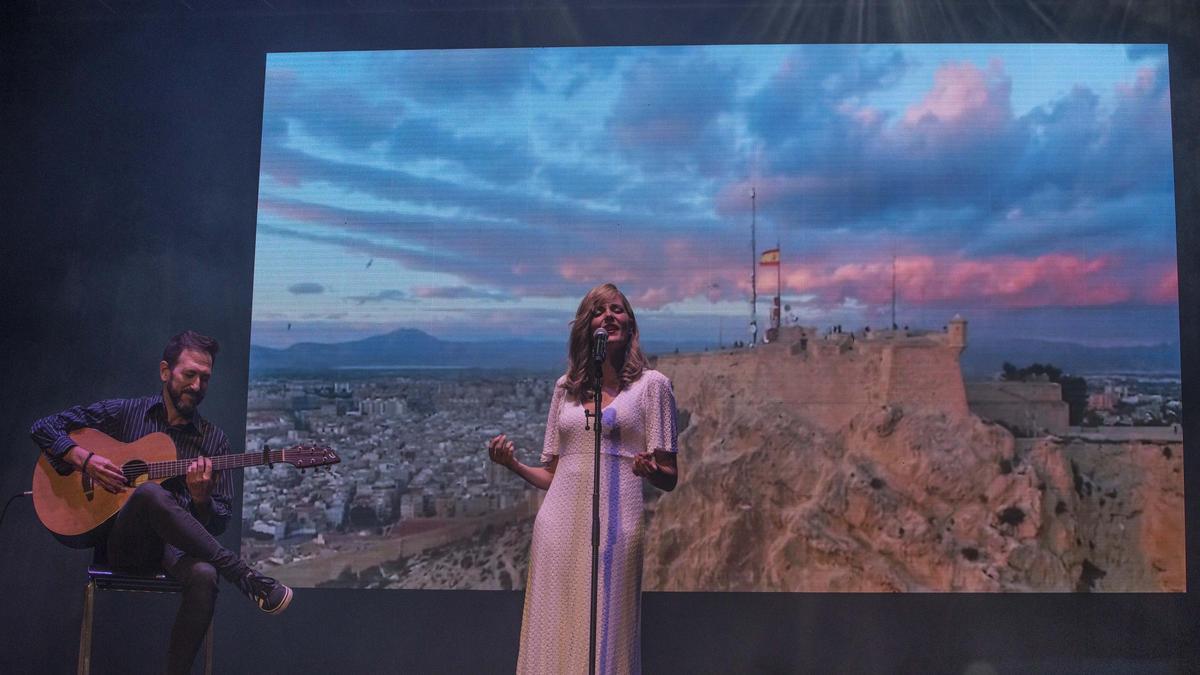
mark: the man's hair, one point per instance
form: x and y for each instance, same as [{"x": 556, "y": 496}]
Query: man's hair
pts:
[{"x": 189, "y": 339}]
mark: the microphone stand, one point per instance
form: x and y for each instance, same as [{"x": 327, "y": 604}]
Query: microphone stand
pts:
[{"x": 599, "y": 399}]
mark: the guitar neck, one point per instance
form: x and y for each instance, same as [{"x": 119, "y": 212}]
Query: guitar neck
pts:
[{"x": 178, "y": 467}]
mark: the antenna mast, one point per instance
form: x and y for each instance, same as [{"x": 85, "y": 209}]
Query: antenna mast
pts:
[{"x": 893, "y": 290}]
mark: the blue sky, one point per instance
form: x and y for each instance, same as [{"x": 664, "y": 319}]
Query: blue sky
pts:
[{"x": 475, "y": 193}]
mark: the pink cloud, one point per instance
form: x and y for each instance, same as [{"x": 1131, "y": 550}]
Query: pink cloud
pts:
[
  {"x": 284, "y": 172},
  {"x": 591, "y": 269},
  {"x": 1142, "y": 86},
  {"x": 867, "y": 117},
  {"x": 655, "y": 273},
  {"x": 1166, "y": 291},
  {"x": 296, "y": 211},
  {"x": 1146, "y": 102},
  {"x": 964, "y": 97},
  {"x": 1005, "y": 281},
  {"x": 652, "y": 298}
]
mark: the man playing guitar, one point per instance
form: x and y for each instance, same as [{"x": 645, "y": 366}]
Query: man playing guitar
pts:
[{"x": 169, "y": 526}]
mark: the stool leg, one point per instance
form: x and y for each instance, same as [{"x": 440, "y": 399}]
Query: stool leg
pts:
[
  {"x": 85, "y": 630},
  {"x": 208, "y": 649}
]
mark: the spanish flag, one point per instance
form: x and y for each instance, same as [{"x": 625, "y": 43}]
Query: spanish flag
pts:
[{"x": 769, "y": 257}]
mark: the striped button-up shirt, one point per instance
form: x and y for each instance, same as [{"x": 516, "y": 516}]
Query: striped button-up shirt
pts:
[{"x": 128, "y": 419}]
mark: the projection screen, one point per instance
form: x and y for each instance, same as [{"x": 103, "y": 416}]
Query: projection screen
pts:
[{"x": 919, "y": 305}]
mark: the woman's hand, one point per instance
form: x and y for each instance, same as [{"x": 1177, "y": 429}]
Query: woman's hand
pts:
[
  {"x": 501, "y": 451},
  {"x": 658, "y": 467},
  {"x": 644, "y": 464}
]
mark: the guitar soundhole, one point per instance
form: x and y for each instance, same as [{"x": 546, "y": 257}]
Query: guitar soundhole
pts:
[{"x": 136, "y": 472}]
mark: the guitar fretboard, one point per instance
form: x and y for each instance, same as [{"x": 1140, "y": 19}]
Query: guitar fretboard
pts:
[{"x": 178, "y": 467}]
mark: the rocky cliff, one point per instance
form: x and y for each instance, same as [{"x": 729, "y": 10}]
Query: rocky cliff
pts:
[{"x": 900, "y": 497}]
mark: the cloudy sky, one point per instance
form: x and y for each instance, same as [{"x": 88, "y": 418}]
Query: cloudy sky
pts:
[{"x": 479, "y": 193}]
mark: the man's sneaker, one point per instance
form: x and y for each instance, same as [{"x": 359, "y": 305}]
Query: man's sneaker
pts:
[{"x": 272, "y": 597}]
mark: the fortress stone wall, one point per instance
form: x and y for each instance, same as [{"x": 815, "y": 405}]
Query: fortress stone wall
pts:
[
  {"x": 924, "y": 373},
  {"x": 1026, "y": 408},
  {"x": 828, "y": 379}
]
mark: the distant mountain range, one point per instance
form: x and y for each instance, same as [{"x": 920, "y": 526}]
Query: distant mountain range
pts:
[
  {"x": 408, "y": 348},
  {"x": 985, "y": 357},
  {"x": 412, "y": 349}
]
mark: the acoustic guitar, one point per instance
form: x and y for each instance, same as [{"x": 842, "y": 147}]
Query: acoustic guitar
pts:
[{"x": 73, "y": 507}]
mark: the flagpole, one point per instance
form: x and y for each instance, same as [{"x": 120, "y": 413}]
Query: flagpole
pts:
[
  {"x": 779, "y": 284},
  {"x": 753, "y": 269}
]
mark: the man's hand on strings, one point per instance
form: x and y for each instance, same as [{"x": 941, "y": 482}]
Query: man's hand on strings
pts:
[
  {"x": 200, "y": 480},
  {"x": 99, "y": 469}
]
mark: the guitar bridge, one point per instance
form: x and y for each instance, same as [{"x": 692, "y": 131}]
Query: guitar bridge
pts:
[{"x": 89, "y": 486}]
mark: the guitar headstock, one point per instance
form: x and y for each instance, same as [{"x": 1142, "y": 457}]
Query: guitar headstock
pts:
[{"x": 308, "y": 456}]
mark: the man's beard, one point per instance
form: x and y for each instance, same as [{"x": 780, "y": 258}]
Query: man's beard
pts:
[{"x": 185, "y": 402}]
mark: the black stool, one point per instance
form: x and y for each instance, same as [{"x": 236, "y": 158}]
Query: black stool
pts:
[{"x": 104, "y": 578}]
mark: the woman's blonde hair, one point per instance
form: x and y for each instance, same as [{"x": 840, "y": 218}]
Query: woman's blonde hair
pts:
[{"x": 580, "y": 377}]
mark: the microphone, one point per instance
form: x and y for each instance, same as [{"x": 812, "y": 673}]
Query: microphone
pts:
[{"x": 599, "y": 344}]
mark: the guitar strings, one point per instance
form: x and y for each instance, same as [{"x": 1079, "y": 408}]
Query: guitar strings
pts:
[{"x": 177, "y": 467}]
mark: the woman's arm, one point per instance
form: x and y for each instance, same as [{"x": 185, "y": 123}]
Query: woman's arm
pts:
[
  {"x": 538, "y": 476},
  {"x": 501, "y": 451}
]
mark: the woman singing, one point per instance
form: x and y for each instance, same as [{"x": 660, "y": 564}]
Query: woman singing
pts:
[{"x": 639, "y": 441}]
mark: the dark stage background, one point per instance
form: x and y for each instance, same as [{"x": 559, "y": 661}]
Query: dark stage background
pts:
[{"x": 129, "y": 170}]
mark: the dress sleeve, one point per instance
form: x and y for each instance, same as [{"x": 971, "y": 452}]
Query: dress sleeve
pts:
[
  {"x": 658, "y": 410},
  {"x": 550, "y": 443}
]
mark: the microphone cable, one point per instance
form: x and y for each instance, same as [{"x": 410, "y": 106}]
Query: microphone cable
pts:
[{"x": 27, "y": 493}]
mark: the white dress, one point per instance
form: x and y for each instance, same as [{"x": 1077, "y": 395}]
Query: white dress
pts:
[{"x": 554, "y": 626}]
